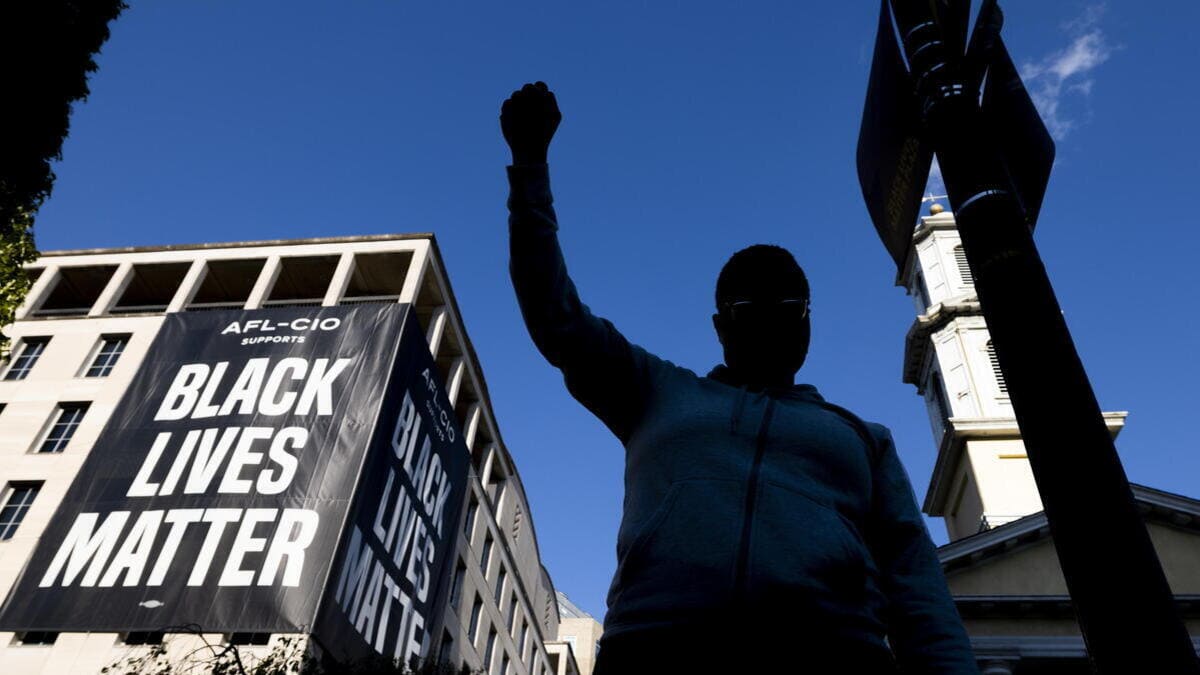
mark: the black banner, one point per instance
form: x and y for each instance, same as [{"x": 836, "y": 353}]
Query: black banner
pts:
[
  {"x": 219, "y": 491},
  {"x": 393, "y": 567}
]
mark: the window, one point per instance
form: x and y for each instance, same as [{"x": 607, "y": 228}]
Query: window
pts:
[
  {"x": 150, "y": 288},
  {"x": 518, "y": 515},
  {"x": 37, "y": 637},
  {"x": 447, "y": 645},
  {"x": 504, "y": 664},
  {"x": 75, "y": 291},
  {"x": 496, "y": 483},
  {"x": 27, "y": 355},
  {"x": 472, "y": 510},
  {"x": 16, "y": 503},
  {"x": 473, "y": 626},
  {"x": 524, "y": 638},
  {"x": 991, "y": 354},
  {"x": 227, "y": 284},
  {"x": 302, "y": 281},
  {"x": 143, "y": 637},
  {"x": 248, "y": 638},
  {"x": 377, "y": 277},
  {"x": 964, "y": 269},
  {"x": 512, "y": 615},
  {"x": 456, "y": 586},
  {"x": 486, "y": 556},
  {"x": 500, "y": 585},
  {"x": 69, "y": 416},
  {"x": 110, "y": 350},
  {"x": 491, "y": 647}
]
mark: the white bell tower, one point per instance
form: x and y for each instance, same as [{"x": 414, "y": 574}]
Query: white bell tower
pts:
[{"x": 982, "y": 477}]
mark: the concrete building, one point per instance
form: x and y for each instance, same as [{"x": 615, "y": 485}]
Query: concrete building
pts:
[
  {"x": 82, "y": 334},
  {"x": 581, "y": 632},
  {"x": 1000, "y": 562}
]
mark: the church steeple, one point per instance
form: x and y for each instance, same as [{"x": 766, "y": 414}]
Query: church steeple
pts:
[{"x": 982, "y": 477}]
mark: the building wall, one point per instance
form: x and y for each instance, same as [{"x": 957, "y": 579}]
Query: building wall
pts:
[
  {"x": 1033, "y": 569},
  {"x": 408, "y": 268},
  {"x": 583, "y": 634}
]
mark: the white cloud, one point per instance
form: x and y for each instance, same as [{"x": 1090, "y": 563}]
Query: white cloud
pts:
[{"x": 1054, "y": 79}]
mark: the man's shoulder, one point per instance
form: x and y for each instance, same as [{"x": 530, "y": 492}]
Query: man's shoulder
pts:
[{"x": 877, "y": 436}]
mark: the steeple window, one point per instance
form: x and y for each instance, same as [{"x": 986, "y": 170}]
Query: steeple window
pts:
[
  {"x": 964, "y": 269},
  {"x": 991, "y": 354}
]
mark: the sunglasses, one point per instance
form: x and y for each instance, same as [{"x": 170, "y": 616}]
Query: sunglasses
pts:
[{"x": 753, "y": 311}]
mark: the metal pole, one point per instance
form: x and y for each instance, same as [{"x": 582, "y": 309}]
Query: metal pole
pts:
[{"x": 1124, "y": 606}]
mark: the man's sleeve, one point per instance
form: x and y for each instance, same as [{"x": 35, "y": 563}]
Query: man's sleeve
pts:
[
  {"x": 603, "y": 370},
  {"x": 925, "y": 632}
]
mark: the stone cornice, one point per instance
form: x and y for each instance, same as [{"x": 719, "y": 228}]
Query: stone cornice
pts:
[
  {"x": 962, "y": 429},
  {"x": 916, "y": 341}
]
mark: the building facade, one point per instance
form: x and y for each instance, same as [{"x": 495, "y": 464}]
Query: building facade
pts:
[
  {"x": 83, "y": 332},
  {"x": 579, "y": 632},
  {"x": 1000, "y": 562}
]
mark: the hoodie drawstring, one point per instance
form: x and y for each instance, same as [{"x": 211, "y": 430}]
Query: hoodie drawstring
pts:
[{"x": 737, "y": 410}]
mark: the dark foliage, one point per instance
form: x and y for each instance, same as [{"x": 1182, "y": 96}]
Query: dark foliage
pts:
[{"x": 46, "y": 53}]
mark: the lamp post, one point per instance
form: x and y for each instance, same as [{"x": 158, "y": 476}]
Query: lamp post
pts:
[{"x": 934, "y": 92}]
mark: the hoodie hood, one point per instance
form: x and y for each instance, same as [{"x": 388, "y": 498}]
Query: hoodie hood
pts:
[{"x": 800, "y": 392}]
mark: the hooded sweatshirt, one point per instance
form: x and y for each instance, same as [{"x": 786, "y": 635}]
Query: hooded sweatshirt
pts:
[{"x": 768, "y": 503}]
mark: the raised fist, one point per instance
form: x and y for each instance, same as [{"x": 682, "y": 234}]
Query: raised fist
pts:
[{"x": 528, "y": 120}]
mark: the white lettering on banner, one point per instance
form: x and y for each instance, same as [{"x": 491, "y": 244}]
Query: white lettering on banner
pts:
[
  {"x": 192, "y": 392},
  {"x": 304, "y": 523},
  {"x": 132, "y": 556},
  {"x": 204, "y": 406},
  {"x": 90, "y": 545},
  {"x": 245, "y": 388},
  {"x": 217, "y": 520},
  {"x": 203, "y": 452},
  {"x": 245, "y": 542},
  {"x": 366, "y": 593},
  {"x": 179, "y": 520},
  {"x": 85, "y": 543},
  {"x": 388, "y": 566},
  {"x": 268, "y": 326},
  {"x": 242, "y": 457},
  {"x": 274, "y": 403}
]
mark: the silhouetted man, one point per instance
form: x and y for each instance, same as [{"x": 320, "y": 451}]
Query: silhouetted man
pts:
[{"x": 764, "y": 528}]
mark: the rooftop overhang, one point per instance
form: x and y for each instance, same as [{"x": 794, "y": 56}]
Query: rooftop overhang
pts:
[{"x": 959, "y": 431}]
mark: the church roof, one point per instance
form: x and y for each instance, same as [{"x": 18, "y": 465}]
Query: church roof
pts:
[
  {"x": 986, "y": 547},
  {"x": 1176, "y": 509}
]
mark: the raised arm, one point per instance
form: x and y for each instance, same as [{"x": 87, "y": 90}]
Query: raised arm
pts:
[
  {"x": 603, "y": 370},
  {"x": 924, "y": 628}
]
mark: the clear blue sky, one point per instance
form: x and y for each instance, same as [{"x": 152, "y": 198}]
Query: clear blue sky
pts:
[{"x": 690, "y": 130}]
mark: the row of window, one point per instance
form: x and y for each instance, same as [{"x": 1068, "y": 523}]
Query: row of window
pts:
[
  {"x": 103, "y": 358},
  {"x": 490, "y": 647},
  {"x": 137, "y": 638},
  {"x": 228, "y": 283},
  {"x": 495, "y": 491}
]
